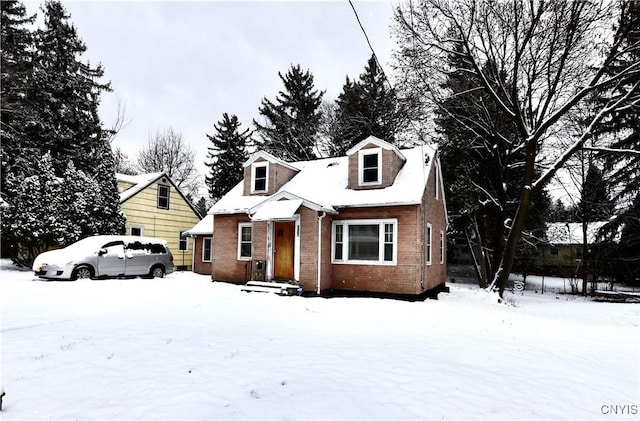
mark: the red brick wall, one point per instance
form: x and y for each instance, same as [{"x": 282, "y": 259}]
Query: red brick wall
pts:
[
  {"x": 391, "y": 164},
  {"x": 434, "y": 213},
  {"x": 405, "y": 276},
  {"x": 203, "y": 268},
  {"x": 278, "y": 176},
  {"x": 309, "y": 250},
  {"x": 225, "y": 265}
]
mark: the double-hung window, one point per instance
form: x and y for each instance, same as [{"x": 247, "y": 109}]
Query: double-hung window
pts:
[
  {"x": 259, "y": 177},
  {"x": 163, "y": 196},
  {"x": 206, "y": 249},
  {"x": 244, "y": 241},
  {"x": 183, "y": 241},
  {"x": 441, "y": 247},
  {"x": 370, "y": 166},
  {"x": 365, "y": 241}
]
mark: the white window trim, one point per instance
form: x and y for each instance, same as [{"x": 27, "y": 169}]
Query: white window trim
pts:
[
  {"x": 181, "y": 237},
  {"x": 210, "y": 239},
  {"x": 255, "y": 165},
  {"x": 168, "y": 196},
  {"x": 240, "y": 226},
  {"x": 361, "y": 154},
  {"x": 138, "y": 226},
  {"x": 441, "y": 247},
  {"x": 429, "y": 243},
  {"x": 345, "y": 241}
]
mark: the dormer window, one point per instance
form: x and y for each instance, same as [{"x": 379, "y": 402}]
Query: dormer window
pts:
[
  {"x": 260, "y": 177},
  {"x": 370, "y": 166}
]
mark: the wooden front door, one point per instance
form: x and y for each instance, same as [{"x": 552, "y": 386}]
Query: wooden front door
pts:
[{"x": 283, "y": 250}]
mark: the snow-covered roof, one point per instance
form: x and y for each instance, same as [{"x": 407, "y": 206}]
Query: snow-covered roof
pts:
[
  {"x": 324, "y": 182},
  {"x": 379, "y": 143},
  {"x": 140, "y": 182},
  {"x": 204, "y": 227},
  {"x": 268, "y": 157},
  {"x": 565, "y": 233}
]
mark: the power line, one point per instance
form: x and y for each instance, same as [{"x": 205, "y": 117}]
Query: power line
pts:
[{"x": 375, "y": 56}]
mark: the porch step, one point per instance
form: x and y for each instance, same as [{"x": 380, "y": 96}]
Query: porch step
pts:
[{"x": 279, "y": 288}]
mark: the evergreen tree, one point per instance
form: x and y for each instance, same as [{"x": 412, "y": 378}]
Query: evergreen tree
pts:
[
  {"x": 66, "y": 92},
  {"x": 595, "y": 203},
  {"x": 58, "y": 108},
  {"x": 106, "y": 211},
  {"x": 16, "y": 68},
  {"x": 622, "y": 171},
  {"x": 226, "y": 155},
  {"x": 292, "y": 122},
  {"x": 201, "y": 206},
  {"x": 366, "y": 107},
  {"x": 35, "y": 223}
]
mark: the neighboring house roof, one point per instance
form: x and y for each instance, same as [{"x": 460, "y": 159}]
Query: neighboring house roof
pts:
[
  {"x": 324, "y": 182},
  {"x": 204, "y": 227},
  {"x": 138, "y": 182},
  {"x": 566, "y": 233},
  {"x": 142, "y": 181}
]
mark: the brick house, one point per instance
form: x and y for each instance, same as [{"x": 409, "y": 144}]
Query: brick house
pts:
[
  {"x": 372, "y": 221},
  {"x": 202, "y": 234}
]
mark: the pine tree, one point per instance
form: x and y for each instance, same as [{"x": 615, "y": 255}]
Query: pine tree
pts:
[
  {"x": 66, "y": 92},
  {"x": 16, "y": 67},
  {"x": 226, "y": 155},
  {"x": 366, "y": 107},
  {"x": 106, "y": 212},
  {"x": 292, "y": 122},
  {"x": 595, "y": 203},
  {"x": 58, "y": 103},
  {"x": 201, "y": 206},
  {"x": 29, "y": 220}
]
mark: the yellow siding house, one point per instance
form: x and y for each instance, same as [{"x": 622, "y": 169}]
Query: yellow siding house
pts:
[{"x": 155, "y": 207}]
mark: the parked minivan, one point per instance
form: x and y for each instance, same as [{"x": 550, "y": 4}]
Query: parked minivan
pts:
[{"x": 107, "y": 256}]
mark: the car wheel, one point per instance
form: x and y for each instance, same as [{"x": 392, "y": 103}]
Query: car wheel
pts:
[
  {"x": 157, "y": 272},
  {"x": 82, "y": 272}
]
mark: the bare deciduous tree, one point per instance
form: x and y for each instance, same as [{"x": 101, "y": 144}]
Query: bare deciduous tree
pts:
[
  {"x": 167, "y": 152},
  {"x": 535, "y": 61}
]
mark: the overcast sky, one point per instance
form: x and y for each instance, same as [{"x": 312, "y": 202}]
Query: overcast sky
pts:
[{"x": 185, "y": 63}]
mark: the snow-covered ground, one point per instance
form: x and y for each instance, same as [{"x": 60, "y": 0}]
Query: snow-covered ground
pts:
[{"x": 186, "y": 348}]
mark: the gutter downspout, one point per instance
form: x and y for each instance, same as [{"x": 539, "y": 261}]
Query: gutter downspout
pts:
[
  {"x": 320, "y": 218},
  {"x": 193, "y": 254}
]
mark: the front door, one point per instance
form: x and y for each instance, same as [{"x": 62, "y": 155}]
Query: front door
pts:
[{"x": 283, "y": 250}]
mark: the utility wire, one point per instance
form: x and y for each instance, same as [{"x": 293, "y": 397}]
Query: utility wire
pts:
[{"x": 375, "y": 56}]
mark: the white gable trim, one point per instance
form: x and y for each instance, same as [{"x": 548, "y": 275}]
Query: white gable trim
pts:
[
  {"x": 284, "y": 195},
  {"x": 268, "y": 157},
  {"x": 377, "y": 142}
]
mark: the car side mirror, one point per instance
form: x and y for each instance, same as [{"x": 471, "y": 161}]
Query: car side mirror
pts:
[{"x": 102, "y": 252}]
